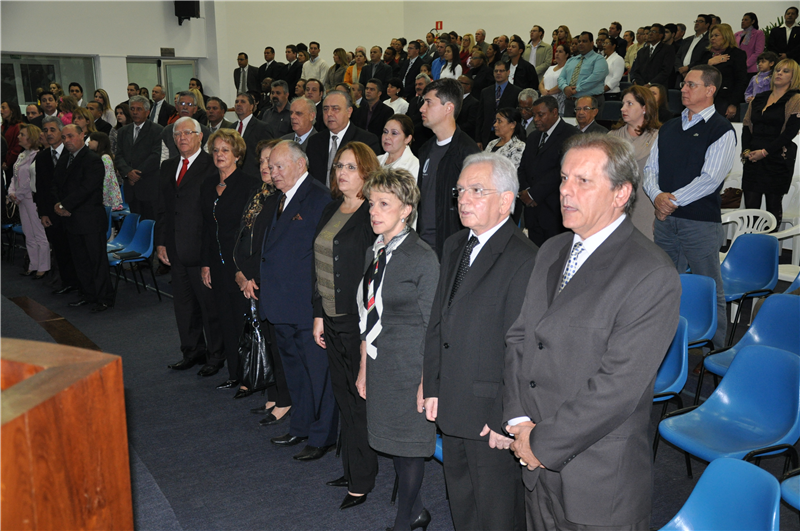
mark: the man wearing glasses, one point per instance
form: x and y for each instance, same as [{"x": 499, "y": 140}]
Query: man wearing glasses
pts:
[
  {"x": 683, "y": 178},
  {"x": 585, "y": 113},
  {"x": 693, "y": 48},
  {"x": 187, "y": 106}
]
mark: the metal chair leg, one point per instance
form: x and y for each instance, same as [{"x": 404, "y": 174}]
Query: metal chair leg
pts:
[{"x": 688, "y": 464}]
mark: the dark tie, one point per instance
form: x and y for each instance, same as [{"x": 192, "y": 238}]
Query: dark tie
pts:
[
  {"x": 153, "y": 114},
  {"x": 280, "y": 206},
  {"x": 55, "y": 157},
  {"x": 463, "y": 267},
  {"x": 543, "y": 139},
  {"x": 240, "y": 127},
  {"x": 136, "y": 132},
  {"x": 71, "y": 158}
]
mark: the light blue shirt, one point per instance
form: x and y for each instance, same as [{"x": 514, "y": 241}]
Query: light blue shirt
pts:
[
  {"x": 436, "y": 67},
  {"x": 592, "y": 77},
  {"x": 718, "y": 162}
]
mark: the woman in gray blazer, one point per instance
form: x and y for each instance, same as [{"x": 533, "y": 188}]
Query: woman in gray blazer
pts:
[{"x": 395, "y": 304}]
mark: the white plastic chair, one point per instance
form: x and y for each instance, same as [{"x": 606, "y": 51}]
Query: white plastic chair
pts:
[
  {"x": 788, "y": 272},
  {"x": 748, "y": 221}
]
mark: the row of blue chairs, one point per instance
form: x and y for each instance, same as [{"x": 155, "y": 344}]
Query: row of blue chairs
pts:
[{"x": 134, "y": 236}]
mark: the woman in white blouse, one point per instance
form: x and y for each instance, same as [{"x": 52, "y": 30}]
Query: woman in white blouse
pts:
[
  {"x": 511, "y": 135},
  {"x": 616, "y": 67},
  {"x": 452, "y": 66},
  {"x": 394, "y": 87},
  {"x": 398, "y": 134},
  {"x": 549, "y": 83}
]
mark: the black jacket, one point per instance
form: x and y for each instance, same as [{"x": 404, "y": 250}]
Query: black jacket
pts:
[
  {"x": 525, "y": 75},
  {"x": 380, "y": 115},
  {"x": 779, "y": 44},
  {"x": 488, "y": 110},
  {"x": 79, "y": 189},
  {"x": 318, "y": 144},
  {"x": 409, "y": 76},
  {"x": 468, "y": 116},
  {"x": 734, "y": 79},
  {"x": 657, "y": 68}
]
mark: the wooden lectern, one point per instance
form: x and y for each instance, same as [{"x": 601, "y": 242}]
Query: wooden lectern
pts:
[{"x": 64, "y": 439}]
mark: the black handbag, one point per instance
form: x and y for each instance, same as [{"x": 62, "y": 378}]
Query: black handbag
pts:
[{"x": 255, "y": 366}]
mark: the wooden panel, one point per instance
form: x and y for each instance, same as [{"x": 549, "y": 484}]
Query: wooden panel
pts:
[
  {"x": 64, "y": 440},
  {"x": 12, "y": 372}
]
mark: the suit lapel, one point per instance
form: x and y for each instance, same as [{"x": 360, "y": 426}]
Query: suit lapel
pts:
[
  {"x": 194, "y": 172},
  {"x": 293, "y": 208},
  {"x": 455, "y": 259}
]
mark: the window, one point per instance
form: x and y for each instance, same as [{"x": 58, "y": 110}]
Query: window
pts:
[{"x": 24, "y": 74}]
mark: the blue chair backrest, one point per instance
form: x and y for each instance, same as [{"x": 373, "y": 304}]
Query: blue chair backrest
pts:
[
  {"x": 142, "y": 241},
  {"x": 108, "y": 216},
  {"x": 731, "y": 494},
  {"x": 128, "y": 230},
  {"x": 674, "y": 101},
  {"x": 753, "y": 258},
  {"x": 777, "y": 324},
  {"x": 612, "y": 110},
  {"x": 794, "y": 285},
  {"x": 699, "y": 305},
  {"x": 674, "y": 370},
  {"x": 760, "y": 389},
  {"x": 437, "y": 453}
]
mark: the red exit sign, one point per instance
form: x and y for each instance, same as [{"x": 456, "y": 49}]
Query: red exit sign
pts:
[{"x": 439, "y": 25}]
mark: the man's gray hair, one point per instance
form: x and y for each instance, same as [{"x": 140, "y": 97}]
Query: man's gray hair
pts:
[
  {"x": 53, "y": 120},
  {"x": 280, "y": 83},
  {"x": 184, "y": 119},
  {"x": 295, "y": 151},
  {"x": 342, "y": 93},
  {"x": 141, "y": 99},
  {"x": 592, "y": 101},
  {"x": 187, "y": 94},
  {"x": 311, "y": 107},
  {"x": 426, "y": 77},
  {"x": 620, "y": 167},
  {"x": 504, "y": 173},
  {"x": 528, "y": 94}
]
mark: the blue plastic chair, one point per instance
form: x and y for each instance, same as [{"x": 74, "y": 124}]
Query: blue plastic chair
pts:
[
  {"x": 754, "y": 411},
  {"x": 125, "y": 234},
  {"x": 730, "y": 495},
  {"x": 777, "y": 324},
  {"x": 749, "y": 270},
  {"x": 142, "y": 243},
  {"x": 794, "y": 285},
  {"x": 699, "y": 307},
  {"x": 611, "y": 111},
  {"x": 672, "y": 373},
  {"x": 108, "y": 216},
  {"x": 790, "y": 488}
]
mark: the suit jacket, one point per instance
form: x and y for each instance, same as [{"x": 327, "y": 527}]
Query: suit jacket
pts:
[
  {"x": 255, "y": 132},
  {"x": 779, "y": 44},
  {"x": 179, "y": 218},
  {"x": 380, "y": 115},
  {"x": 45, "y": 196},
  {"x": 304, "y": 145},
  {"x": 143, "y": 155},
  {"x": 102, "y": 126},
  {"x": 382, "y": 72},
  {"x": 530, "y": 129},
  {"x": 488, "y": 110},
  {"x": 224, "y": 124},
  {"x": 409, "y": 76},
  {"x": 287, "y": 255},
  {"x": 525, "y": 75},
  {"x": 468, "y": 117},
  {"x": 482, "y": 77},
  {"x": 169, "y": 140},
  {"x": 595, "y": 127},
  {"x": 164, "y": 113},
  {"x": 319, "y": 123},
  {"x": 582, "y": 364},
  {"x": 79, "y": 189},
  {"x": 465, "y": 343},
  {"x": 292, "y": 75},
  {"x": 253, "y": 81},
  {"x": 276, "y": 71},
  {"x": 734, "y": 79},
  {"x": 655, "y": 68},
  {"x": 543, "y": 59},
  {"x": 701, "y": 46},
  {"x": 318, "y": 145}
]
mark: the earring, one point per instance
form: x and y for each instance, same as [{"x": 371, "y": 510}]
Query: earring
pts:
[{"x": 402, "y": 220}]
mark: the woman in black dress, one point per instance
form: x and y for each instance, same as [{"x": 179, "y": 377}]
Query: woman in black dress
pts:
[
  {"x": 725, "y": 56},
  {"x": 769, "y": 127},
  {"x": 223, "y": 201}
]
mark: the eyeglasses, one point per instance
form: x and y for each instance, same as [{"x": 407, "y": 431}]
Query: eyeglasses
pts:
[
  {"x": 692, "y": 85},
  {"x": 348, "y": 167},
  {"x": 584, "y": 109},
  {"x": 178, "y": 134},
  {"x": 185, "y": 104},
  {"x": 473, "y": 191}
]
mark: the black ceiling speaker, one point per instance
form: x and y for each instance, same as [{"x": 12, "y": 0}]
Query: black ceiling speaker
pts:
[{"x": 186, "y": 10}]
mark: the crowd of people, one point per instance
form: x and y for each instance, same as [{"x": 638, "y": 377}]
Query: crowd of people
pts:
[{"x": 371, "y": 211}]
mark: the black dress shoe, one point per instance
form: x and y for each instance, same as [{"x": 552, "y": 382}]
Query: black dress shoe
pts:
[
  {"x": 185, "y": 363},
  {"x": 244, "y": 393},
  {"x": 208, "y": 370},
  {"x": 65, "y": 290},
  {"x": 339, "y": 482},
  {"x": 228, "y": 384},
  {"x": 39, "y": 277},
  {"x": 27, "y": 273},
  {"x": 422, "y": 521},
  {"x": 263, "y": 410},
  {"x": 99, "y": 307},
  {"x": 82, "y": 302},
  {"x": 271, "y": 420},
  {"x": 287, "y": 440},
  {"x": 311, "y": 453},
  {"x": 352, "y": 501}
]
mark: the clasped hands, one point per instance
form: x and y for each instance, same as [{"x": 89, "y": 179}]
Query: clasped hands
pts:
[
  {"x": 664, "y": 205},
  {"x": 521, "y": 445},
  {"x": 430, "y": 406}
]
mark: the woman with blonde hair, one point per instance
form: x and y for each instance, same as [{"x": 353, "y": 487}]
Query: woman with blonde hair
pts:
[
  {"x": 101, "y": 97},
  {"x": 200, "y": 114},
  {"x": 56, "y": 89},
  {"x": 467, "y": 42},
  {"x": 725, "y": 56},
  {"x": 565, "y": 38},
  {"x": 337, "y": 71}
]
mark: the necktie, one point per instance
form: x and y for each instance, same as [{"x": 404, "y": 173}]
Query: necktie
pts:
[
  {"x": 573, "y": 81},
  {"x": 71, "y": 158},
  {"x": 572, "y": 265},
  {"x": 297, "y": 139},
  {"x": 55, "y": 156},
  {"x": 153, "y": 113},
  {"x": 243, "y": 81},
  {"x": 331, "y": 156},
  {"x": 463, "y": 267},
  {"x": 280, "y": 206},
  {"x": 498, "y": 93},
  {"x": 543, "y": 139},
  {"x": 240, "y": 127},
  {"x": 136, "y": 132},
  {"x": 183, "y": 172}
]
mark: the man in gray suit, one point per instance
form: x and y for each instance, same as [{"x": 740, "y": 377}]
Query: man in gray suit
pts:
[
  {"x": 138, "y": 158},
  {"x": 479, "y": 296},
  {"x": 303, "y": 115},
  {"x": 585, "y": 112},
  {"x": 600, "y": 311}
]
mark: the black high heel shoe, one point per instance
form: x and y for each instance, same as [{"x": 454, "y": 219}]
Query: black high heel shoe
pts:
[
  {"x": 423, "y": 520},
  {"x": 243, "y": 393}
]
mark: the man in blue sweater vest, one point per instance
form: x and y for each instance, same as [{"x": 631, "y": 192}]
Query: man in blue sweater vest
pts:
[{"x": 683, "y": 178}]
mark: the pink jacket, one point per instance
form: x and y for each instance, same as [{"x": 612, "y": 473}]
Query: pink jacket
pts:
[{"x": 753, "y": 48}]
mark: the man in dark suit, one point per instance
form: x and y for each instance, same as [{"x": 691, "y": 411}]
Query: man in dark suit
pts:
[
  {"x": 303, "y": 115},
  {"x": 54, "y": 225},
  {"x": 271, "y": 68},
  {"x": 692, "y": 48},
  {"x": 34, "y": 115},
  {"x": 285, "y": 300},
  {"x": 277, "y": 116},
  {"x": 215, "y": 111},
  {"x": 500, "y": 94},
  {"x": 421, "y": 133},
  {"x": 294, "y": 69},
  {"x": 97, "y": 112},
  {"x": 409, "y": 69},
  {"x": 179, "y": 244},
  {"x": 252, "y": 130},
  {"x": 245, "y": 78},
  {"x": 373, "y": 115},
  {"x": 482, "y": 76},
  {"x": 785, "y": 40},
  {"x": 465, "y": 346},
  {"x": 468, "y": 116},
  {"x": 78, "y": 187},
  {"x": 161, "y": 109},
  {"x": 655, "y": 61},
  {"x": 524, "y": 73},
  {"x": 376, "y": 68},
  {"x": 337, "y": 109},
  {"x": 525, "y": 105},
  {"x": 585, "y": 112},
  {"x": 600, "y": 311},
  {"x": 138, "y": 158},
  {"x": 540, "y": 171},
  {"x": 315, "y": 91},
  {"x": 187, "y": 107}
]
